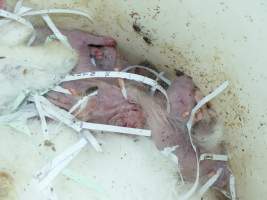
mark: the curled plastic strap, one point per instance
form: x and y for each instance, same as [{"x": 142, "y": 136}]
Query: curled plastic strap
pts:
[
  {"x": 15, "y": 17},
  {"x": 49, "y": 172},
  {"x": 153, "y": 89},
  {"x": 123, "y": 75},
  {"x": 58, "y": 11},
  {"x": 224, "y": 192},
  {"x": 62, "y": 38},
  {"x": 82, "y": 102},
  {"x": 189, "y": 125},
  {"x": 93, "y": 61},
  {"x": 122, "y": 86},
  {"x": 68, "y": 119},
  {"x": 24, "y": 113},
  {"x": 41, "y": 115},
  {"x": 215, "y": 157},
  {"x": 19, "y": 9},
  {"x": 22, "y": 10},
  {"x": 61, "y": 90},
  {"x": 210, "y": 182},
  {"x": 116, "y": 129},
  {"x": 20, "y": 99},
  {"x": 92, "y": 140},
  {"x": 168, "y": 152},
  {"x": 232, "y": 187},
  {"x": 18, "y": 6},
  {"x": 59, "y": 114},
  {"x": 123, "y": 89},
  {"x": 159, "y": 75}
]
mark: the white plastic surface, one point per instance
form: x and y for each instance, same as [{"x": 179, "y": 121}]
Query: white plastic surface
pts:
[{"x": 212, "y": 40}]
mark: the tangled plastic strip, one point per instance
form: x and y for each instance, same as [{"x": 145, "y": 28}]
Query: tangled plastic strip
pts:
[
  {"x": 44, "y": 13},
  {"x": 68, "y": 119},
  {"x": 215, "y": 157},
  {"x": 169, "y": 153},
  {"x": 158, "y": 75},
  {"x": 42, "y": 115},
  {"x": 24, "y": 113},
  {"x": 21, "y": 11},
  {"x": 18, "y": 6},
  {"x": 123, "y": 88},
  {"x": 92, "y": 140},
  {"x": 153, "y": 89},
  {"x": 116, "y": 129},
  {"x": 42, "y": 173},
  {"x": 15, "y": 17},
  {"x": 58, "y": 11},
  {"x": 62, "y": 38},
  {"x": 79, "y": 104},
  {"x": 20, "y": 99},
  {"x": 61, "y": 90},
  {"x": 232, "y": 187},
  {"x": 49, "y": 172},
  {"x": 210, "y": 182},
  {"x": 189, "y": 125},
  {"x": 17, "y": 10},
  {"x": 18, "y": 119},
  {"x": 60, "y": 115},
  {"x": 231, "y": 194},
  {"x": 82, "y": 102},
  {"x": 122, "y": 85},
  {"x": 93, "y": 61},
  {"x": 123, "y": 75}
]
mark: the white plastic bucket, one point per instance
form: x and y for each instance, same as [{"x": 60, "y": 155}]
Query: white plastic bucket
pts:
[{"x": 210, "y": 40}]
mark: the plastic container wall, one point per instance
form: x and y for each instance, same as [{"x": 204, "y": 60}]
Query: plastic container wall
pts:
[{"x": 212, "y": 41}]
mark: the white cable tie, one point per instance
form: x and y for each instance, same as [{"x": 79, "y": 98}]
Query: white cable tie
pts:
[
  {"x": 119, "y": 74},
  {"x": 210, "y": 183},
  {"x": 215, "y": 157}
]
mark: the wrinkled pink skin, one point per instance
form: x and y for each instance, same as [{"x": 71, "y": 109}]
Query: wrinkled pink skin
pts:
[
  {"x": 109, "y": 106},
  {"x": 182, "y": 94},
  {"x": 182, "y": 98},
  {"x": 102, "y": 49},
  {"x": 169, "y": 129},
  {"x": 2, "y": 4}
]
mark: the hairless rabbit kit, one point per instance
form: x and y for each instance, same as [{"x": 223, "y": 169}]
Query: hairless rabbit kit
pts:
[{"x": 125, "y": 100}]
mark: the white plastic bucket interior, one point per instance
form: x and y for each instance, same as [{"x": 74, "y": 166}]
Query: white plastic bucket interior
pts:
[{"x": 212, "y": 41}]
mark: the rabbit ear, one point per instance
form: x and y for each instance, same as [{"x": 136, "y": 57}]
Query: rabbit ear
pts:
[{"x": 2, "y": 4}]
